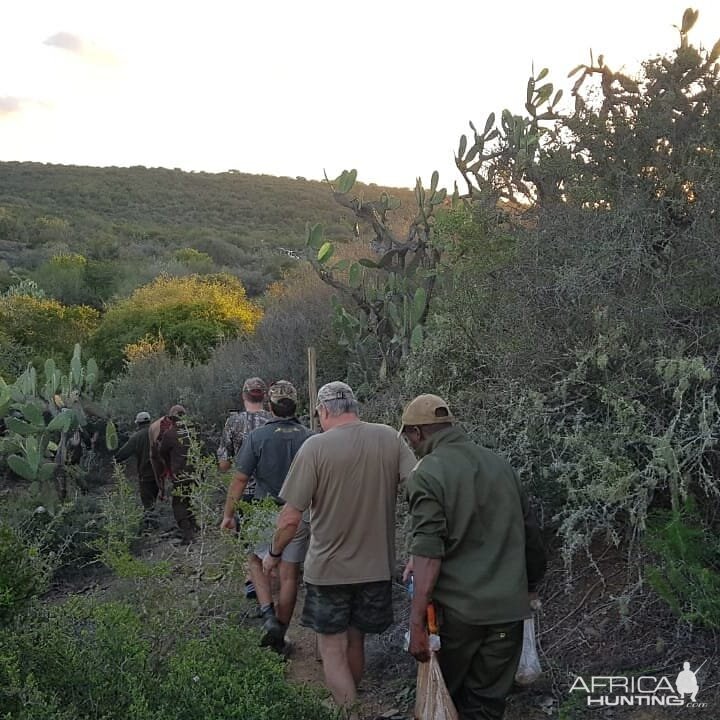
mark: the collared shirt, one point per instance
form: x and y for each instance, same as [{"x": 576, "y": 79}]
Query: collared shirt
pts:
[{"x": 468, "y": 508}]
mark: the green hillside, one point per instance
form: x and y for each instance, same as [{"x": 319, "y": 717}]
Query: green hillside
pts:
[{"x": 130, "y": 223}]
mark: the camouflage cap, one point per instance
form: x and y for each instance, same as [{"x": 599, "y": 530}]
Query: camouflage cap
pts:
[
  {"x": 142, "y": 417},
  {"x": 176, "y": 411},
  {"x": 282, "y": 389},
  {"x": 335, "y": 391},
  {"x": 255, "y": 387},
  {"x": 426, "y": 410}
]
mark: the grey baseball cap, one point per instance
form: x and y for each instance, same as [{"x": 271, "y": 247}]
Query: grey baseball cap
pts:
[
  {"x": 142, "y": 417},
  {"x": 335, "y": 391}
]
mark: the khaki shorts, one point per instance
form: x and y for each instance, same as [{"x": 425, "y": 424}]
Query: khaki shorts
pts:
[{"x": 296, "y": 548}]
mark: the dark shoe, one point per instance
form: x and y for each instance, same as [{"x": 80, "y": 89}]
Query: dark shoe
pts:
[
  {"x": 250, "y": 593},
  {"x": 150, "y": 520},
  {"x": 273, "y": 632},
  {"x": 187, "y": 538},
  {"x": 286, "y": 649},
  {"x": 283, "y": 648}
]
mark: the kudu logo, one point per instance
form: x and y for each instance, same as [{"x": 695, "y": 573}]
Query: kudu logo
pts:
[{"x": 645, "y": 690}]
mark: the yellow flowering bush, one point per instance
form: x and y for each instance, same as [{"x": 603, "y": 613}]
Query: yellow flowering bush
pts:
[
  {"x": 46, "y": 326},
  {"x": 218, "y": 296},
  {"x": 144, "y": 348},
  {"x": 68, "y": 261},
  {"x": 191, "y": 313}
]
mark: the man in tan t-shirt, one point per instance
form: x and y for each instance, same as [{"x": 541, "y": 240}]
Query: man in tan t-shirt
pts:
[{"x": 347, "y": 477}]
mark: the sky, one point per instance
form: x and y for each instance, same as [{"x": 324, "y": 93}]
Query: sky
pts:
[{"x": 292, "y": 88}]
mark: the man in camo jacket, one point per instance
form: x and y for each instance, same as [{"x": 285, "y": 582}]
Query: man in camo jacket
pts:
[{"x": 237, "y": 427}]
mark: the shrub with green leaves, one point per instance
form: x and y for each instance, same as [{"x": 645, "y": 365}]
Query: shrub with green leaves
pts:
[
  {"x": 577, "y": 331},
  {"x": 65, "y": 540},
  {"x": 87, "y": 661},
  {"x": 22, "y": 575},
  {"x": 120, "y": 518},
  {"x": 687, "y": 571},
  {"x": 227, "y": 675}
]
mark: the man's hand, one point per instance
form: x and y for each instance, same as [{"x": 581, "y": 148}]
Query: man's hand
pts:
[
  {"x": 270, "y": 563},
  {"x": 408, "y": 571},
  {"x": 228, "y": 523},
  {"x": 419, "y": 644},
  {"x": 534, "y": 599}
]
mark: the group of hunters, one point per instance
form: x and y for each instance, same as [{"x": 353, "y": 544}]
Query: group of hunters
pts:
[{"x": 475, "y": 549}]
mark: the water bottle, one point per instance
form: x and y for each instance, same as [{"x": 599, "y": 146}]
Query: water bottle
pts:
[{"x": 410, "y": 587}]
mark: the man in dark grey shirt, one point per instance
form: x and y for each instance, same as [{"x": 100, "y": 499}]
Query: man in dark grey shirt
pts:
[{"x": 267, "y": 454}]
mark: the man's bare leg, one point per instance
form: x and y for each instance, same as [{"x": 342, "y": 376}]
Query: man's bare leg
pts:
[
  {"x": 289, "y": 573},
  {"x": 356, "y": 654},
  {"x": 336, "y": 667},
  {"x": 261, "y": 581}
]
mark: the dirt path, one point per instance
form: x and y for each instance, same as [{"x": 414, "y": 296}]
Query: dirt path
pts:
[
  {"x": 305, "y": 668},
  {"x": 389, "y": 681}
]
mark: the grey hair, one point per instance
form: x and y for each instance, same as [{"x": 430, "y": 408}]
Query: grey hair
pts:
[{"x": 340, "y": 406}]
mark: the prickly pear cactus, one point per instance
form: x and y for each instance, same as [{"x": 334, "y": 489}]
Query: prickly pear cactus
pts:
[
  {"x": 383, "y": 299},
  {"x": 39, "y": 418}
]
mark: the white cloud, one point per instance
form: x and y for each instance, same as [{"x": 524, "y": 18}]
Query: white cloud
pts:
[
  {"x": 66, "y": 41},
  {"x": 82, "y": 48},
  {"x": 10, "y": 104}
]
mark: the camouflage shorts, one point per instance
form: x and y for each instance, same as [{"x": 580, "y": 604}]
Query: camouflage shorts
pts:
[{"x": 331, "y": 609}]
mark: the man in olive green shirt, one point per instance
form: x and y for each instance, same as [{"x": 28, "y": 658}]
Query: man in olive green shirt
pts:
[
  {"x": 138, "y": 447},
  {"x": 476, "y": 552}
]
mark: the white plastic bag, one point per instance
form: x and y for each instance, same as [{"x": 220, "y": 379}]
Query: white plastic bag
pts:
[
  {"x": 529, "y": 669},
  {"x": 432, "y": 699}
]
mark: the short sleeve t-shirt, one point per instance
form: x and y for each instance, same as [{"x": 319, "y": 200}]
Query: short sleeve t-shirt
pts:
[
  {"x": 348, "y": 478},
  {"x": 268, "y": 452}
]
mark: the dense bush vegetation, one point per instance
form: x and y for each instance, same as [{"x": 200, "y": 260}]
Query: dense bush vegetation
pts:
[
  {"x": 159, "y": 655},
  {"x": 92, "y": 660},
  {"x": 296, "y": 313},
  {"x": 21, "y": 574},
  {"x": 687, "y": 572},
  {"x": 132, "y": 224},
  {"x": 578, "y": 330},
  {"x": 33, "y": 328},
  {"x": 192, "y": 313}
]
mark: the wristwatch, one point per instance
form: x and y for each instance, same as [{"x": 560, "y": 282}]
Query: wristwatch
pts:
[{"x": 274, "y": 555}]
